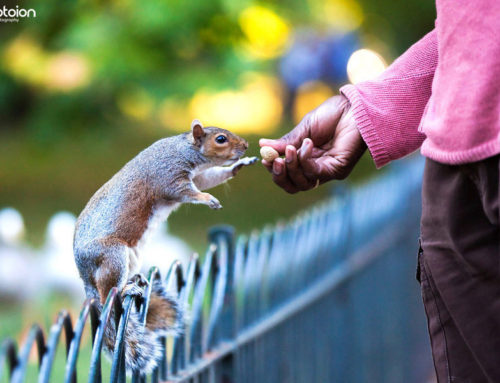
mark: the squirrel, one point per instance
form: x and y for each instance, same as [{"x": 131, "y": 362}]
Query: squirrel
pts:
[{"x": 115, "y": 222}]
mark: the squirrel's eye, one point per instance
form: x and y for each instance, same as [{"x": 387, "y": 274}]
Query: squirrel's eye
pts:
[{"x": 220, "y": 139}]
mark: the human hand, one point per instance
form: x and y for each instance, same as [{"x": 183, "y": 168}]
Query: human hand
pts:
[{"x": 324, "y": 146}]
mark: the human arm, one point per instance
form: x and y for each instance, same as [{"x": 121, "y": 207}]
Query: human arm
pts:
[
  {"x": 388, "y": 109},
  {"x": 382, "y": 115}
]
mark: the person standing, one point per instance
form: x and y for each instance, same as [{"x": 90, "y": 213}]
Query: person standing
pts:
[{"x": 443, "y": 96}]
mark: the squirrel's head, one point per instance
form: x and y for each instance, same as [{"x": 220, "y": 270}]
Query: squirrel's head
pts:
[{"x": 218, "y": 145}]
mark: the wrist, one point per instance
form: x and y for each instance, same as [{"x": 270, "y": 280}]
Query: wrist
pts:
[{"x": 364, "y": 126}]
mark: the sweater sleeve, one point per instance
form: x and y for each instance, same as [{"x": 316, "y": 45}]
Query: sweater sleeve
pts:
[{"x": 388, "y": 109}]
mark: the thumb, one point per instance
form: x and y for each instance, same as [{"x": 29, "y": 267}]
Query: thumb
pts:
[{"x": 279, "y": 144}]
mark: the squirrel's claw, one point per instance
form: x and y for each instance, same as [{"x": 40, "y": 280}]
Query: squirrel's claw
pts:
[
  {"x": 135, "y": 286},
  {"x": 248, "y": 161},
  {"x": 243, "y": 162},
  {"x": 140, "y": 280},
  {"x": 214, "y": 204},
  {"x": 133, "y": 290}
]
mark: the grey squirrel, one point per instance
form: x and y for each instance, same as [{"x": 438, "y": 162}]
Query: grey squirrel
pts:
[{"x": 116, "y": 220}]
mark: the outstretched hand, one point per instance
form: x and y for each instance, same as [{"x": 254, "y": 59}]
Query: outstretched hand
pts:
[{"x": 324, "y": 146}]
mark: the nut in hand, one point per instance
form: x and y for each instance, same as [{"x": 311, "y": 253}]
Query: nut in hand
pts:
[{"x": 269, "y": 154}]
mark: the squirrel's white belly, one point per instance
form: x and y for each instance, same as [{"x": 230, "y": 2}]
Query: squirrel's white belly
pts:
[{"x": 160, "y": 214}]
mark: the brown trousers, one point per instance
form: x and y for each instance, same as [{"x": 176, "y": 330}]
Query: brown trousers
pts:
[{"x": 459, "y": 269}]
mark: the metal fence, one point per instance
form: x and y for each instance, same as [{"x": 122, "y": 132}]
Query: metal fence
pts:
[{"x": 327, "y": 297}]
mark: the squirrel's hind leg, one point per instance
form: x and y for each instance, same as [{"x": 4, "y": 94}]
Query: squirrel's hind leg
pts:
[
  {"x": 142, "y": 350},
  {"x": 114, "y": 268}
]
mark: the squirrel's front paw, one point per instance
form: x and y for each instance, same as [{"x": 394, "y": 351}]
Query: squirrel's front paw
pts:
[
  {"x": 247, "y": 161},
  {"x": 214, "y": 203},
  {"x": 243, "y": 162}
]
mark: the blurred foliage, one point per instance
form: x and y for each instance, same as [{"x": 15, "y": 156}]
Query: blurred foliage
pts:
[{"x": 87, "y": 84}]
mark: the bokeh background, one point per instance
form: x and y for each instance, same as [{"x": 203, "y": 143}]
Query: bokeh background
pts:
[{"x": 86, "y": 85}]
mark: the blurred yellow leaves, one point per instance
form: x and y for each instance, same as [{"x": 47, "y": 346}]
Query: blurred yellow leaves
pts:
[
  {"x": 24, "y": 59},
  {"x": 341, "y": 15},
  {"x": 309, "y": 96},
  {"x": 61, "y": 71},
  {"x": 136, "y": 104},
  {"x": 266, "y": 33},
  {"x": 255, "y": 108},
  {"x": 365, "y": 64},
  {"x": 174, "y": 114},
  {"x": 67, "y": 71}
]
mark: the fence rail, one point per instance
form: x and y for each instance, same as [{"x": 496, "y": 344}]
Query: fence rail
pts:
[{"x": 327, "y": 297}]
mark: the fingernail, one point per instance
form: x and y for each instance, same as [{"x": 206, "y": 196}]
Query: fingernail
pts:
[
  {"x": 288, "y": 154},
  {"x": 277, "y": 168},
  {"x": 264, "y": 141}
]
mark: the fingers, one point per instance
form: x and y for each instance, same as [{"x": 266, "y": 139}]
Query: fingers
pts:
[
  {"x": 294, "y": 138},
  {"x": 308, "y": 147},
  {"x": 279, "y": 145},
  {"x": 280, "y": 176},
  {"x": 298, "y": 171},
  {"x": 294, "y": 170},
  {"x": 288, "y": 173},
  {"x": 308, "y": 165},
  {"x": 268, "y": 165},
  {"x": 319, "y": 125}
]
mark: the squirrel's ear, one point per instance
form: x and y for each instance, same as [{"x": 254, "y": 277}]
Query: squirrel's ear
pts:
[{"x": 197, "y": 129}]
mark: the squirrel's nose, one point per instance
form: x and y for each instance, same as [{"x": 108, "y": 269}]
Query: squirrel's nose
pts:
[{"x": 245, "y": 145}]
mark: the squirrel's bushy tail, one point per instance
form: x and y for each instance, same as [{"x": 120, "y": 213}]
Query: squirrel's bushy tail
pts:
[{"x": 143, "y": 349}]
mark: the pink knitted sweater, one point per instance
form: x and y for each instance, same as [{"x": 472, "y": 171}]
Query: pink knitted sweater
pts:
[{"x": 442, "y": 94}]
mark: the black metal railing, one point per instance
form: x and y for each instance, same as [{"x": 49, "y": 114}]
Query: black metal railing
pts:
[{"x": 327, "y": 297}]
